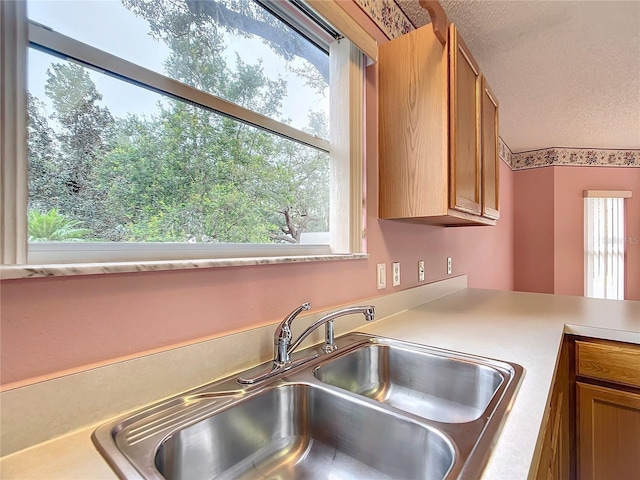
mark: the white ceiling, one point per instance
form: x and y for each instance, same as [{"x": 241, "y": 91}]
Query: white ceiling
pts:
[{"x": 566, "y": 73}]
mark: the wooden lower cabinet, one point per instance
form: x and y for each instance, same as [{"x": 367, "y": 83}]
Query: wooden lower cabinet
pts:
[
  {"x": 608, "y": 433},
  {"x": 592, "y": 427},
  {"x": 554, "y": 458}
]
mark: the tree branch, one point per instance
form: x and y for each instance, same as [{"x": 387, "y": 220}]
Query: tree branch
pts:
[
  {"x": 290, "y": 43},
  {"x": 282, "y": 238}
]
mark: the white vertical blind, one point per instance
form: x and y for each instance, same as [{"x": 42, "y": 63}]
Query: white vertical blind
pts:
[{"x": 604, "y": 248}]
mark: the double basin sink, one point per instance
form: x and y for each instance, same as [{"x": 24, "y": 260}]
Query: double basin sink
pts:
[{"x": 373, "y": 408}]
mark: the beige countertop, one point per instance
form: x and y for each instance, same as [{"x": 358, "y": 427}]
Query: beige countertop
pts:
[{"x": 523, "y": 328}]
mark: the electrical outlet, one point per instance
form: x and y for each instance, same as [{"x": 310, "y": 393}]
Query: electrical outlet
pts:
[
  {"x": 396, "y": 274},
  {"x": 381, "y": 276},
  {"x": 449, "y": 268},
  {"x": 421, "y": 271}
]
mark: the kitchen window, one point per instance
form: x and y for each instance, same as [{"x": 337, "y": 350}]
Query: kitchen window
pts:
[
  {"x": 604, "y": 243},
  {"x": 177, "y": 129}
]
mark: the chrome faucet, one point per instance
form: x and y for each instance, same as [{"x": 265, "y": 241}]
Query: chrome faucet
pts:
[
  {"x": 369, "y": 313},
  {"x": 284, "y": 346}
]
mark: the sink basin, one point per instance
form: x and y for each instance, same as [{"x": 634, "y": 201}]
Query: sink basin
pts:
[
  {"x": 431, "y": 386},
  {"x": 299, "y": 431},
  {"x": 372, "y": 408}
]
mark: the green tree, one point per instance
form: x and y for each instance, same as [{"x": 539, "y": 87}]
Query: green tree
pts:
[
  {"x": 171, "y": 19},
  {"x": 191, "y": 175},
  {"x": 84, "y": 130},
  {"x": 42, "y": 154},
  {"x": 196, "y": 176},
  {"x": 184, "y": 174}
]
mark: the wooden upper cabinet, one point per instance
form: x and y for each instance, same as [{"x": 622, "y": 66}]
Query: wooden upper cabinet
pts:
[
  {"x": 430, "y": 139},
  {"x": 413, "y": 116},
  {"x": 490, "y": 157},
  {"x": 465, "y": 180}
]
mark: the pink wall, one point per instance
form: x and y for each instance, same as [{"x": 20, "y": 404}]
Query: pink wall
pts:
[
  {"x": 52, "y": 325},
  {"x": 533, "y": 230},
  {"x": 549, "y": 230},
  {"x": 569, "y": 228}
]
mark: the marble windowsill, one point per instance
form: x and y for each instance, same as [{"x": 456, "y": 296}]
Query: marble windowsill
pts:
[{"x": 58, "y": 270}]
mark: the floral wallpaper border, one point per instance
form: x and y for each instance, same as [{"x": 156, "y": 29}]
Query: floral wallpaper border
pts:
[
  {"x": 592, "y": 157},
  {"x": 388, "y": 16},
  {"x": 505, "y": 153}
]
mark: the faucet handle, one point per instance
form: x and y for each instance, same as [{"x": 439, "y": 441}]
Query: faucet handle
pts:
[
  {"x": 289, "y": 318},
  {"x": 282, "y": 336}
]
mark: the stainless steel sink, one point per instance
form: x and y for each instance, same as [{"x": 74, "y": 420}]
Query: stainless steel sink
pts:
[
  {"x": 425, "y": 384},
  {"x": 299, "y": 431},
  {"x": 372, "y": 408}
]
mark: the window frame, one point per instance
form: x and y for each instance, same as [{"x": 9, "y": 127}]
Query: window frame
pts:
[{"x": 346, "y": 158}]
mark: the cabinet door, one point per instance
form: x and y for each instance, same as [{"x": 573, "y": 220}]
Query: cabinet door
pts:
[
  {"x": 464, "y": 127},
  {"x": 490, "y": 165},
  {"x": 608, "y": 433},
  {"x": 555, "y": 456},
  {"x": 413, "y": 126}
]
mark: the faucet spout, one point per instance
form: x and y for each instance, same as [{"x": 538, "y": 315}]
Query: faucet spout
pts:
[{"x": 368, "y": 311}]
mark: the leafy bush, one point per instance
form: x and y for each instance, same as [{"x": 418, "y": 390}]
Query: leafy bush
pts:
[{"x": 53, "y": 226}]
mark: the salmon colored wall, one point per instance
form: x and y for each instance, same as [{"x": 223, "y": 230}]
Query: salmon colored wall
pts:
[
  {"x": 549, "y": 229},
  {"x": 53, "y": 325},
  {"x": 569, "y": 228},
  {"x": 533, "y": 230},
  {"x": 488, "y": 252}
]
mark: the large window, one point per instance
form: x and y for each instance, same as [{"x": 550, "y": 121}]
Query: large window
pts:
[
  {"x": 193, "y": 128},
  {"x": 604, "y": 244}
]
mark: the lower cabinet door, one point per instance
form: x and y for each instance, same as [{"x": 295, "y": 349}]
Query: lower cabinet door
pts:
[{"x": 608, "y": 433}]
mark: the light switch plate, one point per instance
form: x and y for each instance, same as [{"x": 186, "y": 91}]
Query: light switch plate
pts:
[
  {"x": 421, "y": 271},
  {"x": 381, "y": 272}
]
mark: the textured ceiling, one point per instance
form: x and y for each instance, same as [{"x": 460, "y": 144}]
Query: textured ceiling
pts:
[{"x": 566, "y": 73}]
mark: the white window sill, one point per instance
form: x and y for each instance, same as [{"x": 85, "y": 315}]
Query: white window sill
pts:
[{"x": 67, "y": 269}]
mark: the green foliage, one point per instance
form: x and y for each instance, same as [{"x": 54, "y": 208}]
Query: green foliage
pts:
[
  {"x": 73, "y": 150},
  {"x": 54, "y": 227},
  {"x": 42, "y": 154},
  {"x": 184, "y": 174}
]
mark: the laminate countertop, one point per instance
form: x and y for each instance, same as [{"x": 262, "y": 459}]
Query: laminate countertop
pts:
[{"x": 523, "y": 328}]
